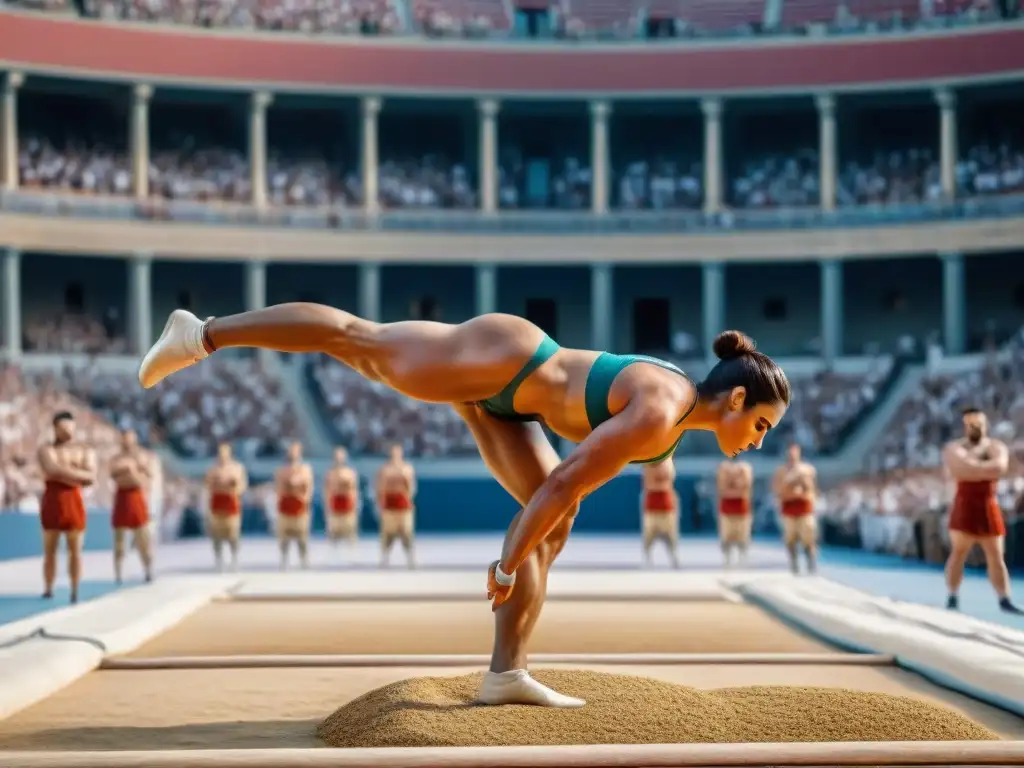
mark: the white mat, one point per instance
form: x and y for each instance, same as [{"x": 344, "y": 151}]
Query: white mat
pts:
[
  {"x": 76, "y": 639},
  {"x": 979, "y": 658}
]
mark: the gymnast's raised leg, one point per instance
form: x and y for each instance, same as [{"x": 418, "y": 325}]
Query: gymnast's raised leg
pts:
[{"x": 433, "y": 362}]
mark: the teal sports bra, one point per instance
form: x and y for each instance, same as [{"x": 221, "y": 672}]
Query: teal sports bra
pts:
[{"x": 599, "y": 384}]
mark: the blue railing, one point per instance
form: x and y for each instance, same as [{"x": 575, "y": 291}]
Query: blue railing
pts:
[{"x": 536, "y": 222}]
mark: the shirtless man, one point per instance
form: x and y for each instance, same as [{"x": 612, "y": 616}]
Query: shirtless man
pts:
[
  {"x": 294, "y": 485},
  {"x": 796, "y": 487},
  {"x": 735, "y": 482},
  {"x": 130, "y": 471},
  {"x": 504, "y": 376},
  {"x": 67, "y": 467},
  {"x": 659, "y": 508},
  {"x": 396, "y": 491},
  {"x": 342, "y": 499},
  {"x": 976, "y": 462},
  {"x": 225, "y": 483}
]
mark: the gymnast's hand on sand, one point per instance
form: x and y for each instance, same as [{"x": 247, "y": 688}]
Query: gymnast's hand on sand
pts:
[{"x": 497, "y": 593}]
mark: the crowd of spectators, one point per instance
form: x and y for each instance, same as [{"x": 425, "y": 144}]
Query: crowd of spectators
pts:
[
  {"x": 195, "y": 172},
  {"x": 558, "y": 19},
  {"x": 74, "y": 332},
  {"x": 369, "y": 417}
]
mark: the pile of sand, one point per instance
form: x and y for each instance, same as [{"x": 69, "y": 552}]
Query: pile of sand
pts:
[{"x": 621, "y": 709}]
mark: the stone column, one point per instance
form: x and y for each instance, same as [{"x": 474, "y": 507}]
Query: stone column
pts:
[
  {"x": 601, "y": 307},
  {"x": 140, "y": 302},
  {"x": 713, "y": 295},
  {"x": 487, "y": 110},
  {"x": 9, "y": 129},
  {"x": 12, "y": 303},
  {"x": 371, "y": 160},
  {"x": 369, "y": 292},
  {"x": 255, "y": 285},
  {"x": 142, "y": 94},
  {"x": 831, "y": 310},
  {"x": 599, "y": 113},
  {"x": 486, "y": 289},
  {"x": 948, "y": 149},
  {"x": 954, "y": 303},
  {"x": 827, "y": 150},
  {"x": 258, "y": 104},
  {"x": 713, "y": 166}
]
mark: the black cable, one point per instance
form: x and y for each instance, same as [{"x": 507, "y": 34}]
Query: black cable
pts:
[{"x": 40, "y": 633}]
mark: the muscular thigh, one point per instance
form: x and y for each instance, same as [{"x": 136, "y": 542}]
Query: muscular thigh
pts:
[
  {"x": 993, "y": 547},
  {"x": 961, "y": 543},
  {"x": 518, "y": 454}
]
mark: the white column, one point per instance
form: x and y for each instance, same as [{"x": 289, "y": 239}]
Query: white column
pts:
[
  {"x": 487, "y": 110},
  {"x": 371, "y": 158},
  {"x": 139, "y": 132},
  {"x": 601, "y": 307},
  {"x": 713, "y": 300},
  {"x": 12, "y": 303},
  {"x": 140, "y": 302},
  {"x": 954, "y": 303},
  {"x": 599, "y": 112},
  {"x": 948, "y": 150},
  {"x": 255, "y": 285},
  {"x": 827, "y": 150},
  {"x": 9, "y": 130},
  {"x": 258, "y": 104},
  {"x": 486, "y": 289},
  {"x": 831, "y": 309},
  {"x": 369, "y": 292},
  {"x": 712, "y": 109}
]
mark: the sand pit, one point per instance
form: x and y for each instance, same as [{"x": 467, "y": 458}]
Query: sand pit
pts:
[
  {"x": 461, "y": 627},
  {"x": 625, "y": 709},
  {"x": 260, "y": 708}
]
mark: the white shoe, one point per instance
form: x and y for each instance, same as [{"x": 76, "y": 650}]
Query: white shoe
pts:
[
  {"x": 179, "y": 346},
  {"x": 517, "y": 687}
]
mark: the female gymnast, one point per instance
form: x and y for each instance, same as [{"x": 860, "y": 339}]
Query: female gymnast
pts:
[{"x": 502, "y": 374}]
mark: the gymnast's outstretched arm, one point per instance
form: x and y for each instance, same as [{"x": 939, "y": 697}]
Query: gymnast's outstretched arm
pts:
[{"x": 634, "y": 433}]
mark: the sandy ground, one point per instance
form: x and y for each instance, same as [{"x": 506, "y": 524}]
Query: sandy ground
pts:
[
  {"x": 253, "y": 708},
  {"x": 468, "y": 627}
]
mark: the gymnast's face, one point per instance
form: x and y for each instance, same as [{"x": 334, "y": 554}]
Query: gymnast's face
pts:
[{"x": 742, "y": 429}]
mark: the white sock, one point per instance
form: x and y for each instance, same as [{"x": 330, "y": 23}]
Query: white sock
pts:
[{"x": 517, "y": 687}]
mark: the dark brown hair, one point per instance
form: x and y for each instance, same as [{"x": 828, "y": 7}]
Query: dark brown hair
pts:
[{"x": 741, "y": 365}]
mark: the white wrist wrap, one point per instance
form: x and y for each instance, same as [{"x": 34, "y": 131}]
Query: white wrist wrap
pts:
[{"x": 505, "y": 579}]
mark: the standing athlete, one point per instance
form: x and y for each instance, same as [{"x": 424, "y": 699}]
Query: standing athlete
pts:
[
  {"x": 659, "y": 509},
  {"x": 502, "y": 374},
  {"x": 735, "y": 481},
  {"x": 224, "y": 485},
  {"x": 396, "y": 507},
  {"x": 341, "y": 499},
  {"x": 796, "y": 487},
  {"x": 294, "y": 485},
  {"x": 131, "y": 473},
  {"x": 68, "y": 467},
  {"x": 976, "y": 462}
]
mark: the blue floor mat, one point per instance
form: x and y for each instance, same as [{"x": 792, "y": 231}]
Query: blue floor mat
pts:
[{"x": 14, "y": 607}]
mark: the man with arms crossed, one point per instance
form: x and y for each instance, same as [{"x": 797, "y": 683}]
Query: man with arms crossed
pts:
[
  {"x": 976, "y": 462},
  {"x": 796, "y": 487},
  {"x": 67, "y": 467},
  {"x": 735, "y": 482},
  {"x": 341, "y": 499},
  {"x": 659, "y": 508},
  {"x": 396, "y": 490},
  {"x": 225, "y": 483},
  {"x": 130, "y": 471},
  {"x": 294, "y": 483}
]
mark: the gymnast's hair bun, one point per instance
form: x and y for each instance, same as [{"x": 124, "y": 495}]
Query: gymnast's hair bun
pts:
[{"x": 732, "y": 344}]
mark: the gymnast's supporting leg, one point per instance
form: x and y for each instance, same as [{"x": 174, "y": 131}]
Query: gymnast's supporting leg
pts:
[{"x": 520, "y": 458}]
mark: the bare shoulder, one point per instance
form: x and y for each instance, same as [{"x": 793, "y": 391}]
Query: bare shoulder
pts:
[
  {"x": 999, "y": 445},
  {"x": 46, "y": 452}
]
